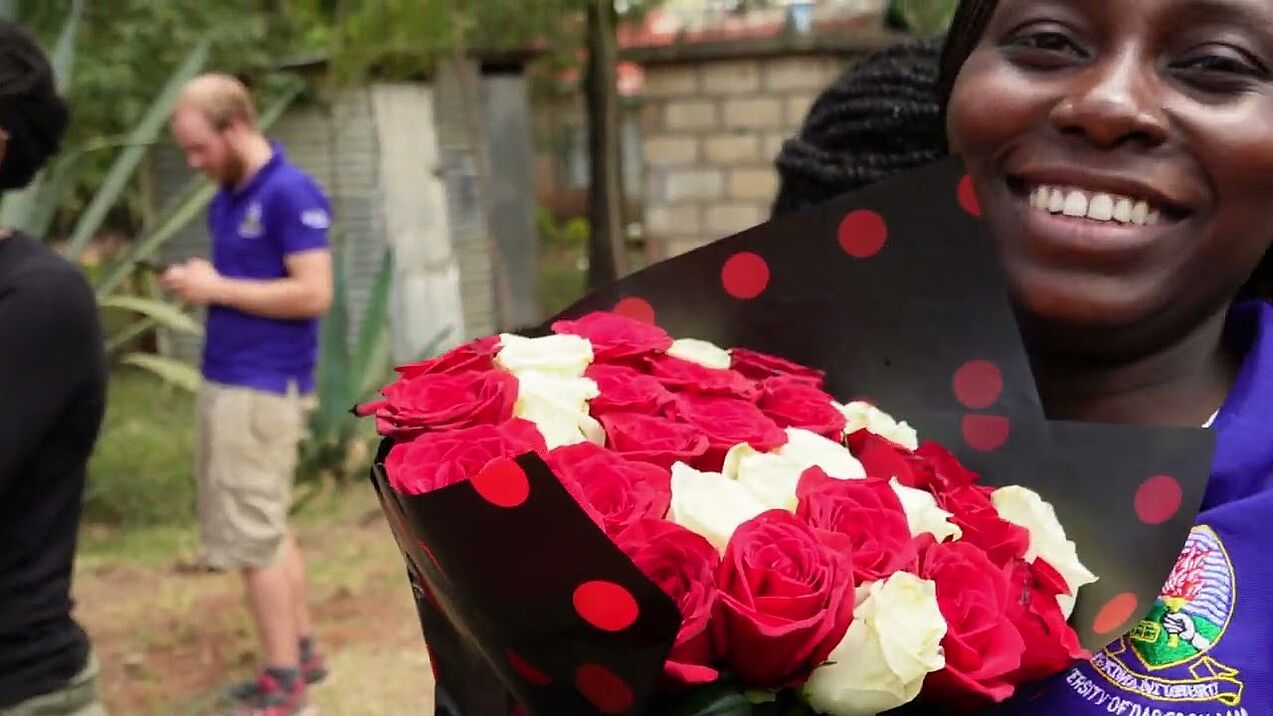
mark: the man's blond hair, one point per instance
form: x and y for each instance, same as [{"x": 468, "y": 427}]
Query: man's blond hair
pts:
[{"x": 220, "y": 98}]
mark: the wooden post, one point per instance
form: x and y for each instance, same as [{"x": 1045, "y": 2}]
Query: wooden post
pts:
[{"x": 606, "y": 246}]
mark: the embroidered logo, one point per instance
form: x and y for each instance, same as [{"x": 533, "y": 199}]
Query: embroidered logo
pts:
[
  {"x": 1167, "y": 656},
  {"x": 251, "y": 227},
  {"x": 315, "y": 219}
]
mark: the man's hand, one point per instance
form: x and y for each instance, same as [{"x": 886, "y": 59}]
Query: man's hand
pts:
[{"x": 195, "y": 282}]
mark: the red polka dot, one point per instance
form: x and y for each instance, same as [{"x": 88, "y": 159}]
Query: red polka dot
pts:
[
  {"x": 968, "y": 197},
  {"x": 525, "y": 670},
  {"x": 978, "y": 384},
  {"x": 635, "y": 308},
  {"x": 606, "y": 605},
  {"x": 1114, "y": 616},
  {"x": 863, "y": 233},
  {"x": 986, "y": 433},
  {"x": 604, "y": 689},
  {"x": 502, "y": 483},
  {"x": 745, "y": 275},
  {"x": 1158, "y": 499}
]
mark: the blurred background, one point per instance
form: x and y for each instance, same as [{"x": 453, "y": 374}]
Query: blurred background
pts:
[{"x": 488, "y": 162}]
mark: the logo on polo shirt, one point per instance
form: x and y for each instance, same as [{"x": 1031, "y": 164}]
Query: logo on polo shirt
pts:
[
  {"x": 1168, "y": 657},
  {"x": 315, "y": 219},
  {"x": 251, "y": 227}
]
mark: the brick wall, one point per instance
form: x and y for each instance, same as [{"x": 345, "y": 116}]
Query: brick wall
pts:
[{"x": 712, "y": 124}]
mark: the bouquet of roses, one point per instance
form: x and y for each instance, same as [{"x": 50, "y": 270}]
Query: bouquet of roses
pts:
[
  {"x": 604, "y": 518},
  {"x": 807, "y": 544}
]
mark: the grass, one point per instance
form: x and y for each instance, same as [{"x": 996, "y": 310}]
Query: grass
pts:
[{"x": 141, "y": 473}]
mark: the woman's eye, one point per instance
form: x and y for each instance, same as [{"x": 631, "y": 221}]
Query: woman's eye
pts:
[
  {"x": 1047, "y": 41},
  {"x": 1222, "y": 64}
]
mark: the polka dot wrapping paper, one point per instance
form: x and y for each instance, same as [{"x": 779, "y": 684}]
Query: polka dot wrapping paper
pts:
[{"x": 895, "y": 294}]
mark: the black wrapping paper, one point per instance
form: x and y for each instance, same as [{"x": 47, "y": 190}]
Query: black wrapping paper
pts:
[{"x": 894, "y": 291}]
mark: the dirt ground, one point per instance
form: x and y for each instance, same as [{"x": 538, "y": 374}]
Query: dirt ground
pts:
[{"x": 169, "y": 639}]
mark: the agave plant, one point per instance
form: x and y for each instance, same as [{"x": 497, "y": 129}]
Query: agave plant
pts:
[
  {"x": 33, "y": 209},
  {"x": 350, "y": 372}
]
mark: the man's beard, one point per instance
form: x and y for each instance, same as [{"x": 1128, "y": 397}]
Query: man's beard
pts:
[{"x": 233, "y": 171}]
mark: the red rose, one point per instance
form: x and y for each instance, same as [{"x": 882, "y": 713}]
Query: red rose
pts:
[
  {"x": 868, "y": 512},
  {"x": 786, "y": 600},
  {"x": 682, "y": 376},
  {"x": 615, "y": 337},
  {"x": 439, "y": 459},
  {"x": 944, "y": 469},
  {"x": 477, "y": 355},
  {"x": 1053, "y": 643},
  {"x": 684, "y": 566},
  {"x": 626, "y": 390},
  {"x": 974, "y": 513},
  {"x": 983, "y": 648},
  {"x": 446, "y": 401},
  {"x": 727, "y": 422},
  {"x": 884, "y": 458},
  {"x": 794, "y": 403},
  {"x": 759, "y": 366},
  {"x": 619, "y": 491},
  {"x": 655, "y": 440}
]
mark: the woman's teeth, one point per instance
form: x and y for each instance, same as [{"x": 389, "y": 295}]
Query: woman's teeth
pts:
[{"x": 1094, "y": 206}]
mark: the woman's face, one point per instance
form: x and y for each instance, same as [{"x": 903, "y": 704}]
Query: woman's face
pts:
[{"x": 1123, "y": 155}]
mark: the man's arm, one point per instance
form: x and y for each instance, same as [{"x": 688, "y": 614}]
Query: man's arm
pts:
[{"x": 306, "y": 291}]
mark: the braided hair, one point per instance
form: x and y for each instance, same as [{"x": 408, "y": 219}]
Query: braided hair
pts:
[
  {"x": 887, "y": 114},
  {"x": 879, "y": 118},
  {"x": 31, "y": 113}
]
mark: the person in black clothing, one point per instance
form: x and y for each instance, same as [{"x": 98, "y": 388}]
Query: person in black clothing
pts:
[{"x": 52, "y": 396}]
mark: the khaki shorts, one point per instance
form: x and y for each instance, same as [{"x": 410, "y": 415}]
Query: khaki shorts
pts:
[
  {"x": 245, "y": 463},
  {"x": 78, "y": 697}
]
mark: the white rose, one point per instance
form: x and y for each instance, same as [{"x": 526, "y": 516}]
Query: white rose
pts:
[
  {"x": 1023, "y": 506},
  {"x": 864, "y": 415},
  {"x": 558, "y": 406},
  {"x": 706, "y": 354},
  {"x": 774, "y": 476},
  {"x": 893, "y": 643},
  {"x": 810, "y": 449},
  {"x": 923, "y": 515},
  {"x": 562, "y": 355},
  {"x": 710, "y": 504}
]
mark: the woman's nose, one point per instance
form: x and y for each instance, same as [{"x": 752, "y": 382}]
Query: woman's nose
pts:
[{"x": 1112, "y": 102}]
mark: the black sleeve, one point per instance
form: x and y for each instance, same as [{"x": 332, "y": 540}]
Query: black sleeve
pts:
[{"x": 50, "y": 353}]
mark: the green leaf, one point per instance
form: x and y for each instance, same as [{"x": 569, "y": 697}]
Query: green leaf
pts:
[
  {"x": 712, "y": 700},
  {"x": 63, "y": 59},
  {"x": 371, "y": 358},
  {"x": 175, "y": 372},
  {"x": 927, "y": 17},
  {"x": 334, "y": 385},
  {"x": 144, "y": 134},
  {"x": 163, "y": 313}
]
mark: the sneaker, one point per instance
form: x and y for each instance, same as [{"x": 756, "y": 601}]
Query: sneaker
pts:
[
  {"x": 267, "y": 698},
  {"x": 313, "y": 671}
]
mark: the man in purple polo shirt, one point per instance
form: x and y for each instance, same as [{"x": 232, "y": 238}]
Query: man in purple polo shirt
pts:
[{"x": 269, "y": 282}]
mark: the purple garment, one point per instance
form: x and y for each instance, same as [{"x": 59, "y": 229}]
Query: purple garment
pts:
[
  {"x": 1206, "y": 648},
  {"x": 279, "y": 212}
]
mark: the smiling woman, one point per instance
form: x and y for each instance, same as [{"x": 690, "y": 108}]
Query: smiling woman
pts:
[{"x": 1122, "y": 155}]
